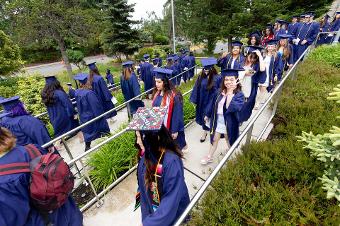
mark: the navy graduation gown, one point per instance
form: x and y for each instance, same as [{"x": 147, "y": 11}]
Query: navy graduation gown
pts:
[
  {"x": 293, "y": 28},
  {"x": 175, "y": 196},
  {"x": 275, "y": 68},
  {"x": 323, "y": 37},
  {"x": 160, "y": 62},
  {"x": 226, "y": 62},
  {"x": 109, "y": 79},
  {"x": 61, "y": 114},
  {"x": 27, "y": 129},
  {"x": 176, "y": 121},
  {"x": 307, "y": 32},
  {"x": 285, "y": 61},
  {"x": 179, "y": 71},
  {"x": 192, "y": 64},
  {"x": 230, "y": 115},
  {"x": 335, "y": 26},
  {"x": 185, "y": 63},
  {"x": 258, "y": 77},
  {"x": 201, "y": 96},
  {"x": 15, "y": 198},
  {"x": 130, "y": 89},
  {"x": 71, "y": 93},
  {"x": 89, "y": 107},
  {"x": 147, "y": 76},
  {"x": 279, "y": 32},
  {"x": 100, "y": 88}
]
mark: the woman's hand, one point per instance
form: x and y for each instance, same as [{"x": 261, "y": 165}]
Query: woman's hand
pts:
[
  {"x": 258, "y": 53},
  {"x": 139, "y": 141},
  {"x": 249, "y": 72},
  {"x": 174, "y": 135}
]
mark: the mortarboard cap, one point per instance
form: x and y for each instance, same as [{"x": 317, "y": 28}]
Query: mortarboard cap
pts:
[
  {"x": 50, "y": 78},
  {"x": 302, "y": 16},
  {"x": 169, "y": 58},
  {"x": 155, "y": 60},
  {"x": 9, "y": 103},
  {"x": 255, "y": 34},
  {"x": 92, "y": 65},
  {"x": 127, "y": 64},
  {"x": 236, "y": 43},
  {"x": 295, "y": 16},
  {"x": 253, "y": 48},
  {"x": 208, "y": 63},
  {"x": 230, "y": 72},
  {"x": 162, "y": 73},
  {"x": 175, "y": 58},
  {"x": 337, "y": 12},
  {"x": 148, "y": 119},
  {"x": 272, "y": 42},
  {"x": 81, "y": 77},
  {"x": 146, "y": 56},
  {"x": 285, "y": 36},
  {"x": 69, "y": 84}
]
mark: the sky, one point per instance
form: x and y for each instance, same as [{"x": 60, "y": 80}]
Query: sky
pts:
[{"x": 144, "y": 6}]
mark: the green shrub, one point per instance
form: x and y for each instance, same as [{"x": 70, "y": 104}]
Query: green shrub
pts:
[
  {"x": 328, "y": 54},
  {"x": 76, "y": 57},
  {"x": 276, "y": 182},
  {"x": 161, "y": 39},
  {"x": 113, "y": 160}
]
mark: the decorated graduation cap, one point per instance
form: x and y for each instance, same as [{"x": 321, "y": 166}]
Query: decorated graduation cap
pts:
[
  {"x": 255, "y": 34},
  {"x": 231, "y": 72},
  {"x": 146, "y": 56},
  {"x": 127, "y": 64},
  {"x": 50, "y": 78},
  {"x": 81, "y": 77},
  {"x": 148, "y": 119},
  {"x": 9, "y": 103},
  {"x": 208, "y": 63},
  {"x": 92, "y": 65},
  {"x": 285, "y": 36},
  {"x": 236, "y": 43},
  {"x": 162, "y": 73},
  {"x": 272, "y": 42}
]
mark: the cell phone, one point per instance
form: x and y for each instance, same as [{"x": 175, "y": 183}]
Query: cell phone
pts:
[{"x": 251, "y": 71}]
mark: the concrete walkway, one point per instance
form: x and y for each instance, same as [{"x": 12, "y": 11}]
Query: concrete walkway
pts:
[{"x": 119, "y": 202}]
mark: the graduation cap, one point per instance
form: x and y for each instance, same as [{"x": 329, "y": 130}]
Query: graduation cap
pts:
[
  {"x": 208, "y": 63},
  {"x": 175, "y": 58},
  {"x": 272, "y": 42},
  {"x": 236, "y": 43},
  {"x": 255, "y": 34},
  {"x": 295, "y": 16},
  {"x": 337, "y": 12},
  {"x": 281, "y": 21},
  {"x": 285, "y": 36},
  {"x": 127, "y": 64},
  {"x": 81, "y": 77},
  {"x": 92, "y": 65},
  {"x": 312, "y": 14},
  {"x": 148, "y": 119},
  {"x": 302, "y": 16},
  {"x": 269, "y": 25},
  {"x": 9, "y": 103},
  {"x": 307, "y": 15},
  {"x": 69, "y": 84},
  {"x": 162, "y": 73},
  {"x": 230, "y": 72},
  {"x": 253, "y": 48},
  {"x": 50, "y": 78},
  {"x": 169, "y": 58},
  {"x": 146, "y": 56}
]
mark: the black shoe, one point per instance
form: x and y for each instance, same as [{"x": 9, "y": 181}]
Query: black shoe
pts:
[{"x": 202, "y": 140}]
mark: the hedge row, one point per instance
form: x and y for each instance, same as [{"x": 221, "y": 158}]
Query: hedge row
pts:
[{"x": 276, "y": 182}]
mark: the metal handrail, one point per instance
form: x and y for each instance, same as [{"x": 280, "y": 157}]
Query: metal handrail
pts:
[
  {"x": 247, "y": 130},
  {"x": 105, "y": 113}
]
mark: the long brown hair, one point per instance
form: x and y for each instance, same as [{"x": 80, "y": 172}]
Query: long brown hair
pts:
[
  {"x": 253, "y": 56},
  {"x": 47, "y": 94},
  {"x": 127, "y": 73},
  {"x": 89, "y": 82},
  {"x": 7, "y": 140},
  {"x": 211, "y": 74},
  {"x": 286, "y": 50},
  {"x": 224, "y": 88},
  {"x": 168, "y": 87}
]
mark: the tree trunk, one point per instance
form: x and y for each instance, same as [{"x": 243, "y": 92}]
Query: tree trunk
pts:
[
  {"x": 211, "y": 44},
  {"x": 62, "y": 48}
]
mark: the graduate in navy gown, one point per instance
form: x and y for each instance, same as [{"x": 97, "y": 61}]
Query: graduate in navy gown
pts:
[
  {"x": 205, "y": 87},
  {"x": 98, "y": 85},
  {"x": 254, "y": 39},
  {"x": 60, "y": 110},
  {"x": 253, "y": 75},
  {"x": 130, "y": 87},
  {"x": 324, "y": 27},
  {"x": 146, "y": 74},
  {"x": 178, "y": 69},
  {"x": 159, "y": 59},
  {"x": 222, "y": 112},
  {"x": 109, "y": 78},
  {"x": 14, "y": 192},
  {"x": 71, "y": 91},
  {"x": 278, "y": 30},
  {"x": 171, "y": 66},
  {"x": 192, "y": 64},
  {"x": 162, "y": 192},
  {"x": 286, "y": 54},
  {"x": 185, "y": 63},
  {"x": 89, "y": 107},
  {"x": 334, "y": 27},
  {"x": 165, "y": 95},
  {"x": 26, "y": 128},
  {"x": 306, "y": 35},
  {"x": 293, "y": 26},
  {"x": 234, "y": 59}
]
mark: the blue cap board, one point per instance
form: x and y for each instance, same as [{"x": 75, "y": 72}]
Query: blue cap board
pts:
[
  {"x": 255, "y": 34},
  {"x": 272, "y": 42},
  {"x": 337, "y": 12},
  {"x": 50, "y": 78},
  {"x": 69, "y": 84},
  {"x": 169, "y": 58},
  {"x": 295, "y": 16},
  {"x": 81, "y": 77},
  {"x": 162, "y": 73},
  {"x": 230, "y": 72},
  {"x": 155, "y": 61},
  {"x": 236, "y": 43},
  {"x": 10, "y": 102},
  {"x": 285, "y": 36},
  {"x": 208, "y": 63},
  {"x": 175, "y": 58},
  {"x": 146, "y": 56},
  {"x": 92, "y": 65},
  {"x": 307, "y": 14},
  {"x": 302, "y": 16},
  {"x": 253, "y": 48},
  {"x": 127, "y": 64}
]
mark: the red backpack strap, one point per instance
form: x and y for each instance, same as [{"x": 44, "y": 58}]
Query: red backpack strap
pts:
[
  {"x": 33, "y": 151},
  {"x": 12, "y": 168}
]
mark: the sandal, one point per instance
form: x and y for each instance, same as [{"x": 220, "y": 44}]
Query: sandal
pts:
[
  {"x": 203, "y": 139},
  {"x": 206, "y": 160}
]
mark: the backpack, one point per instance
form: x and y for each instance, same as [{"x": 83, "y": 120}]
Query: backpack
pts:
[{"x": 51, "y": 180}]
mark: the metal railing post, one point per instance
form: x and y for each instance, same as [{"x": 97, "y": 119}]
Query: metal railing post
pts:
[{"x": 249, "y": 134}]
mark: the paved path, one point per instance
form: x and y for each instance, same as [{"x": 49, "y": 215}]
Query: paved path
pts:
[{"x": 119, "y": 202}]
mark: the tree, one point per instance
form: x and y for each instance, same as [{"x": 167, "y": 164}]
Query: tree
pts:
[
  {"x": 50, "y": 19},
  {"x": 10, "y": 59},
  {"x": 119, "y": 37},
  {"x": 76, "y": 57}
]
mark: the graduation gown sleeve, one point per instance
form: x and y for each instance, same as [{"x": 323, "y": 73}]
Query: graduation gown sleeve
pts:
[
  {"x": 167, "y": 211},
  {"x": 236, "y": 103},
  {"x": 105, "y": 91},
  {"x": 36, "y": 130},
  {"x": 67, "y": 104},
  {"x": 177, "y": 119},
  {"x": 194, "y": 93}
]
